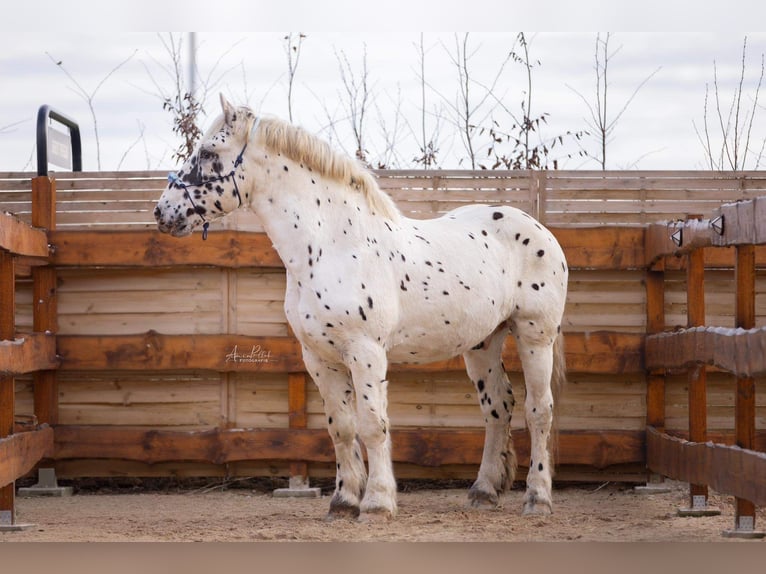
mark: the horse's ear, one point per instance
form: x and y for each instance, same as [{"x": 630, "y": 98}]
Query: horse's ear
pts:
[{"x": 228, "y": 109}]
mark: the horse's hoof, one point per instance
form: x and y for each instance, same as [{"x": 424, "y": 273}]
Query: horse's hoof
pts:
[
  {"x": 376, "y": 516},
  {"x": 482, "y": 500},
  {"x": 341, "y": 509},
  {"x": 536, "y": 507}
]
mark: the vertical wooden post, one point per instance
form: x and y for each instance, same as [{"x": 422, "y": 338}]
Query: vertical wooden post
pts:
[
  {"x": 655, "y": 381},
  {"x": 540, "y": 197},
  {"x": 297, "y": 419},
  {"x": 7, "y": 383},
  {"x": 697, "y": 378},
  {"x": 45, "y": 299},
  {"x": 744, "y": 407},
  {"x": 655, "y": 323}
]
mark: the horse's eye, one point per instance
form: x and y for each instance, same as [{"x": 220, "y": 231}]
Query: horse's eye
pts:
[{"x": 205, "y": 154}]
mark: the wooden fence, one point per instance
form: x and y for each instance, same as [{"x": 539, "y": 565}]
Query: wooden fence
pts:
[
  {"x": 173, "y": 357},
  {"x": 24, "y": 248},
  {"x": 733, "y": 469}
]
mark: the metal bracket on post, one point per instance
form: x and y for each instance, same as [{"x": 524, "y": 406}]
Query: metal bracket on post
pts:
[
  {"x": 699, "y": 507},
  {"x": 298, "y": 488},
  {"x": 8, "y": 522},
  {"x": 744, "y": 528},
  {"x": 47, "y": 485},
  {"x": 656, "y": 484}
]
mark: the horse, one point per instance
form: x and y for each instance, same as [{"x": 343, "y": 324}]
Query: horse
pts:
[{"x": 367, "y": 286}]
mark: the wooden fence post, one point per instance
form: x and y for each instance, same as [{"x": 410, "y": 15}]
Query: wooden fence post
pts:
[
  {"x": 697, "y": 379},
  {"x": 45, "y": 299},
  {"x": 655, "y": 381},
  {"x": 7, "y": 383},
  {"x": 744, "y": 405},
  {"x": 297, "y": 419},
  {"x": 540, "y": 195}
]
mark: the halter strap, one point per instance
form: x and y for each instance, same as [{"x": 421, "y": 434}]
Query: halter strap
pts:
[{"x": 174, "y": 179}]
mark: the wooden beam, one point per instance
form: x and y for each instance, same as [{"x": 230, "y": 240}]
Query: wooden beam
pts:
[
  {"x": 230, "y": 249},
  {"x": 715, "y": 258},
  {"x": 585, "y": 248},
  {"x": 743, "y": 223},
  {"x": 20, "y": 238},
  {"x": 20, "y": 452},
  {"x": 676, "y": 238},
  {"x": 597, "y": 352},
  {"x": 152, "y": 350},
  {"x": 425, "y": 447},
  {"x": 28, "y": 353},
  {"x": 602, "y": 247},
  {"x": 727, "y": 469},
  {"x": 742, "y": 353}
]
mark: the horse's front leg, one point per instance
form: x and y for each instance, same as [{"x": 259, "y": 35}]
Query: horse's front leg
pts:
[
  {"x": 335, "y": 386},
  {"x": 368, "y": 365}
]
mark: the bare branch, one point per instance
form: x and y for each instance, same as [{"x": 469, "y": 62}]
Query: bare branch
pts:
[
  {"x": 602, "y": 124},
  {"x": 357, "y": 98},
  {"x": 89, "y": 97},
  {"x": 736, "y": 130},
  {"x": 293, "y": 52}
]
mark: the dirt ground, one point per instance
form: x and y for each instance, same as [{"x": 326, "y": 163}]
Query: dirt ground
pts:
[{"x": 215, "y": 512}]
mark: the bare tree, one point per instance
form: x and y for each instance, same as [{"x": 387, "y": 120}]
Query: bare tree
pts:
[
  {"x": 427, "y": 138},
  {"x": 389, "y": 157},
  {"x": 467, "y": 112},
  {"x": 139, "y": 139},
  {"x": 522, "y": 145},
  {"x": 89, "y": 96},
  {"x": 8, "y": 128},
  {"x": 356, "y": 97},
  {"x": 736, "y": 129},
  {"x": 293, "y": 51},
  {"x": 184, "y": 102},
  {"x": 600, "y": 122}
]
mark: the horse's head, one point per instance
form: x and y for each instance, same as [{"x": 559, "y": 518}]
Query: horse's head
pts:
[{"x": 212, "y": 181}]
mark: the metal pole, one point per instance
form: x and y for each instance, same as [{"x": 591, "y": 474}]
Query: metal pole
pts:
[{"x": 192, "y": 63}]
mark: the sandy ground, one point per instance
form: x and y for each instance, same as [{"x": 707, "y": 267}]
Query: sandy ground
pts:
[{"x": 605, "y": 512}]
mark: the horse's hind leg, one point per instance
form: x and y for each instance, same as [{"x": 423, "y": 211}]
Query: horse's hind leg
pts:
[
  {"x": 535, "y": 347},
  {"x": 335, "y": 386},
  {"x": 498, "y": 461}
]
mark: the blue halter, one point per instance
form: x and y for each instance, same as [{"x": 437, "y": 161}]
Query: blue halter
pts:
[{"x": 174, "y": 179}]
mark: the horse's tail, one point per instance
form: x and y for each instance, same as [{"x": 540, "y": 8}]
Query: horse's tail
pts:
[{"x": 558, "y": 381}]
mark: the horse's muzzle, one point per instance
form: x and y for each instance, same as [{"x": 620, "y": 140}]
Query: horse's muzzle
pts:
[{"x": 177, "y": 227}]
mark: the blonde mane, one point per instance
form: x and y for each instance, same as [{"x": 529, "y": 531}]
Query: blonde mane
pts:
[{"x": 301, "y": 146}]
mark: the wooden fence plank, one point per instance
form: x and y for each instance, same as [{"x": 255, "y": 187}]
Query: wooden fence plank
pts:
[
  {"x": 428, "y": 447},
  {"x": 28, "y": 353},
  {"x": 229, "y": 249},
  {"x": 21, "y": 239},
  {"x": 601, "y": 352},
  {"x": 727, "y": 469},
  {"x": 20, "y": 453},
  {"x": 740, "y": 352},
  {"x": 596, "y": 248}
]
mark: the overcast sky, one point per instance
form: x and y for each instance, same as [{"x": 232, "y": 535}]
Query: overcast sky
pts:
[{"x": 656, "y": 130}]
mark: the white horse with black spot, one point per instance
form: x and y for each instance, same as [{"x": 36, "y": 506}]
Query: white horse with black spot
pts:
[{"x": 367, "y": 286}]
